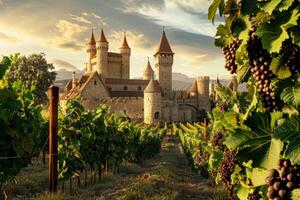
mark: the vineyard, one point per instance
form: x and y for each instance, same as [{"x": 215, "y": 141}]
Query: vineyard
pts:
[{"x": 249, "y": 146}]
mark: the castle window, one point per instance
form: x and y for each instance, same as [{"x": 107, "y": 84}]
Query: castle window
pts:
[
  {"x": 125, "y": 88},
  {"x": 95, "y": 82},
  {"x": 139, "y": 88},
  {"x": 156, "y": 115}
]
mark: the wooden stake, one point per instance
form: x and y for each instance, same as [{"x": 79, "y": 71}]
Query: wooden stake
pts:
[{"x": 53, "y": 129}]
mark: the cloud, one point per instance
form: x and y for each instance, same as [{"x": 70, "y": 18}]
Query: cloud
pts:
[
  {"x": 7, "y": 38},
  {"x": 80, "y": 19},
  {"x": 198, "y": 8},
  {"x": 132, "y": 5},
  {"x": 70, "y": 35},
  {"x": 72, "y": 32},
  {"x": 102, "y": 21},
  {"x": 61, "y": 64},
  {"x": 135, "y": 39}
]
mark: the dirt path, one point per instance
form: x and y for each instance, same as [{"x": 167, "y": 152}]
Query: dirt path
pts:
[{"x": 166, "y": 176}]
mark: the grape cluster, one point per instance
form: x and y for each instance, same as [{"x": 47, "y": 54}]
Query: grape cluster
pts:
[
  {"x": 217, "y": 141},
  {"x": 254, "y": 196},
  {"x": 291, "y": 55},
  {"x": 229, "y": 53},
  {"x": 226, "y": 168},
  {"x": 282, "y": 182},
  {"x": 259, "y": 63}
]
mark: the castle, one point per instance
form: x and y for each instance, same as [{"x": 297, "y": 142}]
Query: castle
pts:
[{"x": 151, "y": 99}]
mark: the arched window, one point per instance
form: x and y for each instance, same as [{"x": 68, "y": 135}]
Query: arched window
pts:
[
  {"x": 156, "y": 115},
  {"x": 95, "y": 82},
  {"x": 125, "y": 87}
]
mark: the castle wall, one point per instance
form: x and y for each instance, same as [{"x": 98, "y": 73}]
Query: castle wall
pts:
[
  {"x": 133, "y": 107},
  {"x": 114, "y": 68}
]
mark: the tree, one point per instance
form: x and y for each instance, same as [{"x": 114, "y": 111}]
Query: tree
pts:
[{"x": 33, "y": 70}]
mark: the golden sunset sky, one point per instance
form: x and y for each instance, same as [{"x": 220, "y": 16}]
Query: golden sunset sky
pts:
[{"x": 60, "y": 29}]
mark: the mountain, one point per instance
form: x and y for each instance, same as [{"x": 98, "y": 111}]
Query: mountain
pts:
[{"x": 63, "y": 74}]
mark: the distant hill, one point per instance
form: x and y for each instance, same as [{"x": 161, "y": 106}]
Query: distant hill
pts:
[{"x": 180, "y": 81}]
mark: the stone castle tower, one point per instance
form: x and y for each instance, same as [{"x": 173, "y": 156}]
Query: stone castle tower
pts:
[
  {"x": 152, "y": 103},
  {"x": 203, "y": 92},
  {"x": 102, "y": 49},
  {"x": 164, "y": 61}
]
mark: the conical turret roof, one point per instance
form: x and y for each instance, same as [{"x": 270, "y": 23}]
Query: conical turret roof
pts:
[
  {"x": 148, "y": 69},
  {"x": 153, "y": 87},
  {"x": 102, "y": 37},
  {"x": 164, "y": 46},
  {"x": 92, "y": 39},
  {"x": 124, "y": 43},
  {"x": 194, "y": 87}
]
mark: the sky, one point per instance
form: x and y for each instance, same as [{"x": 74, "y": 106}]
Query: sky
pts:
[{"x": 61, "y": 28}]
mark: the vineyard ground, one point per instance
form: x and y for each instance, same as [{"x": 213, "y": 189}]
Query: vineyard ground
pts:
[{"x": 166, "y": 176}]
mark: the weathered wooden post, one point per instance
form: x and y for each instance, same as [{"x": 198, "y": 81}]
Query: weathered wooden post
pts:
[{"x": 53, "y": 129}]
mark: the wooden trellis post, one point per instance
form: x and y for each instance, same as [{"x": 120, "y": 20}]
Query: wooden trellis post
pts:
[{"x": 53, "y": 129}]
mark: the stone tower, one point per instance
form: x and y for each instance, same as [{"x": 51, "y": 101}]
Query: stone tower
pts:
[
  {"x": 126, "y": 52},
  {"x": 102, "y": 49},
  {"x": 91, "y": 51},
  {"x": 203, "y": 92},
  {"x": 164, "y": 61},
  {"x": 233, "y": 82},
  {"x": 148, "y": 72},
  {"x": 152, "y": 103}
]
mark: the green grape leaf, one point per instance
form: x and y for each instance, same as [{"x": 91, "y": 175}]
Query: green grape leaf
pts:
[
  {"x": 223, "y": 37},
  {"x": 212, "y": 10},
  {"x": 242, "y": 192},
  {"x": 240, "y": 29},
  {"x": 284, "y": 5},
  {"x": 256, "y": 144},
  {"x": 243, "y": 73},
  {"x": 295, "y": 194},
  {"x": 291, "y": 95},
  {"x": 273, "y": 33},
  {"x": 258, "y": 176},
  {"x": 289, "y": 132},
  {"x": 269, "y": 6},
  {"x": 272, "y": 36},
  {"x": 278, "y": 67}
]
